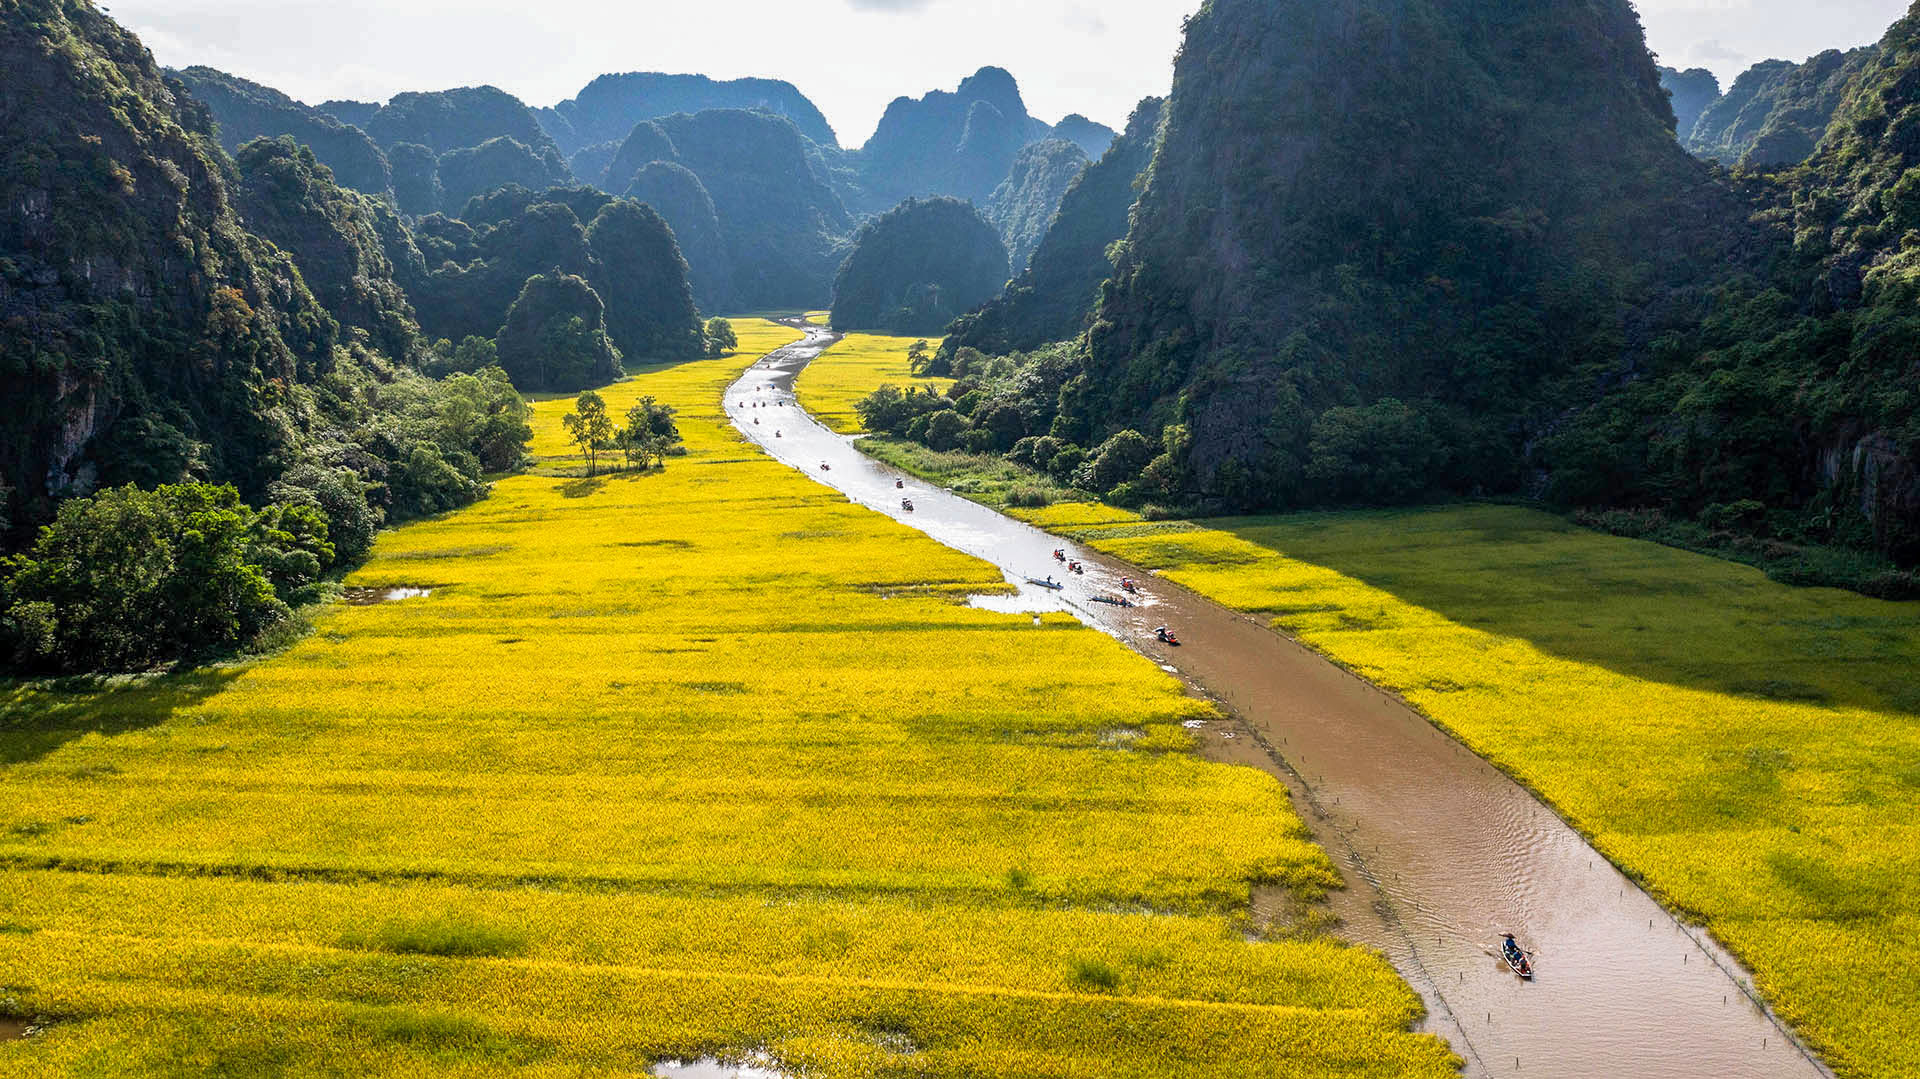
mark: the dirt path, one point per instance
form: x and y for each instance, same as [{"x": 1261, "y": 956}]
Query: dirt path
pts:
[{"x": 1442, "y": 852}]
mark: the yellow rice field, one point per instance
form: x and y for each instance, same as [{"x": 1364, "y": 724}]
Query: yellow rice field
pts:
[
  {"x": 1750, "y": 751},
  {"x": 702, "y": 761},
  {"x": 832, "y": 385}
]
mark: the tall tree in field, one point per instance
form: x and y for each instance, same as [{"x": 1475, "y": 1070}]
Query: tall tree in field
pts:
[{"x": 589, "y": 427}]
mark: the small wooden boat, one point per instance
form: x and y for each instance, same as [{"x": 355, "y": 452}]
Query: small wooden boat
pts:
[
  {"x": 1113, "y": 601},
  {"x": 1519, "y": 962},
  {"x": 1054, "y": 585}
]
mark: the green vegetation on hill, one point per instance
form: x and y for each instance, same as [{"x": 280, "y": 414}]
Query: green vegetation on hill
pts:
[
  {"x": 959, "y": 143},
  {"x": 1049, "y": 299},
  {"x": 448, "y": 120},
  {"x": 915, "y": 267},
  {"x": 1023, "y": 206},
  {"x": 609, "y": 106},
  {"x": 781, "y": 223},
  {"x": 246, "y": 110},
  {"x": 476, "y": 170},
  {"x": 169, "y": 316},
  {"x": 646, "y": 143},
  {"x": 1092, "y": 138},
  {"x": 555, "y": 338},
  {"x": 338, "y": 238},
  {"x": 1691, "y": 92},
  {"x": 679, "y": 197},
  {"x": 1776, "y": 112},
  {"x": 416, "y": 178},
  {"x": 1455, "y": 303},
  {"x": 643, "y": 281}
]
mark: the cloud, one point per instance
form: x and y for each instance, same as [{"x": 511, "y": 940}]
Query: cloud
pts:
[
  {"x": 1084, "y": 20},
  {"x": 892, "y": 7}
]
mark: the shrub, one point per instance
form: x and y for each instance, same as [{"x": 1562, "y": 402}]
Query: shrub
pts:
[
  {"x": 1118, "y": 460},
  {"x": 1030, "y": 497},
  {"x": 1094, "y": 976},
  {"x": 129, "y": 579},
  {"x": 946, "y": 430}
]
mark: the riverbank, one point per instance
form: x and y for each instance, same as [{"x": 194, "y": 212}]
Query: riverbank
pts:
[
  {"x": 1741, "y": 747},
  {"x": 666, "y": 765}
]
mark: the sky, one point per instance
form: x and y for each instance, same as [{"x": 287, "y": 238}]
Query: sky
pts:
[{"x": 1094, "y": 57}]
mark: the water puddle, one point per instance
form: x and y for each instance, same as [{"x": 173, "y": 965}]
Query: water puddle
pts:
[
  {"x": 371, "y": 597},
  {"x": 715, "y": 1068},
  {"x": 15, "y": 1029}
]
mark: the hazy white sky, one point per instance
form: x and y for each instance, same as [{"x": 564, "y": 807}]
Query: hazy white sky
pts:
[{"x": 851, "y": 57}]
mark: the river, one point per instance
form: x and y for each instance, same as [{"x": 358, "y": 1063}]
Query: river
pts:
[{"x": 1442, "y": 852}]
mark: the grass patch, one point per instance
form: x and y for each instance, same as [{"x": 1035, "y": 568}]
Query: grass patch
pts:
[
  {"x": 449, "y": 936},
  {"x": 1093, "y": 976}
]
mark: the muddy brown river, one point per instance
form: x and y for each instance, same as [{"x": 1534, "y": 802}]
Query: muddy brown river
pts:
[{"x": 1442, "y": 852}]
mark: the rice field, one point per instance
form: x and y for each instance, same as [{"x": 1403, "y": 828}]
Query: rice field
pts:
[
  {"x": 860, "y": 363},
  {"x": 704, "y": 761},
  {"x": 1751, "y": 752}
]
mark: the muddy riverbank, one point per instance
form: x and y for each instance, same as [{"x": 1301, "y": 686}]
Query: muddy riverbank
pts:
[{"x": 1442, "y": 852}]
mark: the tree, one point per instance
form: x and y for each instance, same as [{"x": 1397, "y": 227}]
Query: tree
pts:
[
  {"x": 720, "y": 337},
  {"x": 1119, "y": 460},
  {"x": 946, "y": 429},
  {"x": 589, "y": 427},
  {"x": 128, "y": 579},
  {"x": 917, "y": 359},
  {"x": 484, "y": 415},
  {"x": 555, "y": 336},
  {"x": 649, "y": 433}
]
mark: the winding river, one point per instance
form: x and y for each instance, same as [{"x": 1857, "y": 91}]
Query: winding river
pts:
[{"x": 1442, "y": 852}]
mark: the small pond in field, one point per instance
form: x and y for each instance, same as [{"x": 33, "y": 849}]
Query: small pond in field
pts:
[{"x": 713, "y": 1068}]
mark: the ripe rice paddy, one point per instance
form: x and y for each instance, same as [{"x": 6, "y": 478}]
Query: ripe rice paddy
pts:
[
  {"x": 831, "y": 386},
  {"x": 1750, "y": 751},
  {"x": 700, "y": 761}
]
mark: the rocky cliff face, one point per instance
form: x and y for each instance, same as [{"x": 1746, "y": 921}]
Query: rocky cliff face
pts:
[
  {"x": 143, "y": 331},
  {"x": 339, "y": 238},
  {"x": 959, "y": 143},
  {"x": 1023, "y": 206},
  {"x": 1291, "y": 264},
  {"x": 1776, "y": 112},
  {"x": 245, "y": 111},
  {"x": 610, "y": 105},
  {"x": 1050, "y": 299}
]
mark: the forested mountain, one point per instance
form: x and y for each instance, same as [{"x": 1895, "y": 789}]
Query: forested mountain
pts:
[
  {"x": 917, "y": 266},
  {"x": 1050, "y": 299},
  {"x": 1092, "y": 138},
  {"x": 958, "y": 143},
  {"x": 244, "y": 111},
  {"x": 1692, "y": 91},
  {"x": 356, "y": 113},
  {"x": 351, "y": 249},
  {"x": 447, "y": 120},
  {"x": 1532, "y": 289},
  {"x": 610, "y": 105},
  {"x": 475, "y": 170},
  {"x": 1776, "y": 111},
  {"x": 678, "y": 195},
  {"x": 1022, "y": 207},
  {"x": 150, "y": 332},
  {"x": 780, "y": 224}
]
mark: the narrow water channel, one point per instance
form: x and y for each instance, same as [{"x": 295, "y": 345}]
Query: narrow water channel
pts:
[{"x": 1441, "y": 851}]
